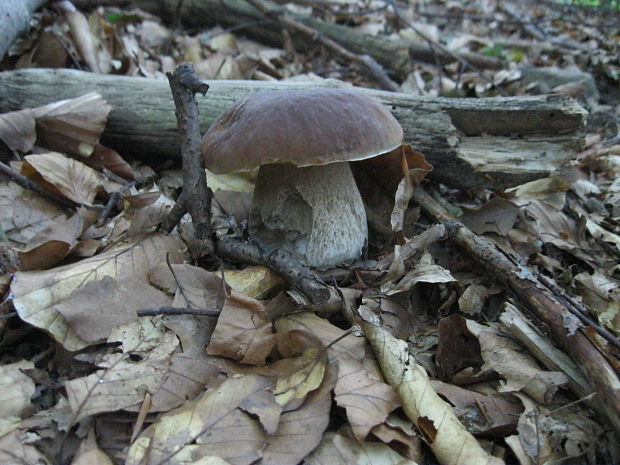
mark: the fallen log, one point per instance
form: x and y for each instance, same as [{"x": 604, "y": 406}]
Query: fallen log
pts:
[{"x": 492, "y": 142}]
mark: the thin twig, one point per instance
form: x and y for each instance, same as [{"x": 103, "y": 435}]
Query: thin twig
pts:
[
  {"x": 177, "y": 311},
  {"x": 113, "y": 200},
  {"x": 29, "y": 184}
]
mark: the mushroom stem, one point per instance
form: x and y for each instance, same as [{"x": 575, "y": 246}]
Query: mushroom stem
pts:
[{"x": 314, "y": 212}]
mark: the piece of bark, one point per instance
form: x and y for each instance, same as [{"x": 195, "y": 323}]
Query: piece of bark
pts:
[
  {"x": 542, "y": 303},
  {"x": 493, "y": 142},
  {"x": 15, "y": 18},
  {"x": 394, "y": 55}
]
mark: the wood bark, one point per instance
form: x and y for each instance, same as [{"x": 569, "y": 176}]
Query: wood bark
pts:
[
  {"x": 15, "y": 19},
  {"x": 493, "y": 142}
]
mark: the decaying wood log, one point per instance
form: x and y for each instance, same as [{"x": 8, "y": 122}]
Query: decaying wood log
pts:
[{"x": 495, "y": 142}]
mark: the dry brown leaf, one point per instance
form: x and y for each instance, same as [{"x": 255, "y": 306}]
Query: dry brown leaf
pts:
[
  {"x": 89, "y": 453},
  {"x": 367, "y": 400},
  {"x": 24, "y": 213},
  {"x": 65, "y": 176},
  {"x": 72, "y": 126},
  {"x": 415, "y": 168},
  {"x": 497, "y": 216},
  {"x": 87, "y": 44},
  {"x": 18, "y": 389},
  {"x": 105, "y": 157},
  {"x": 213, "y": 425},
  {"x": 517, "y": 367},
  {"x": 36, "y": 294},
  {"x": 94, "y": 310},
  {"x": 547, "y": 437},
  {"x": 420, "y": 273},
  {"x": 169, "y": 377},
  {"x": 602, "y": 296},
  {"x": 47, "y": 51},
  {"x": 401, "y": 433},
  {"x": 301, "y": 430},
  {"x": 243, "y": 331},
  {"x": 298, "y": 376},
  {"x": 16, "y": 448},
  {"x": 480, "y": 413},
  {"x": 471, "y": 301},
  {"x": 52, "y": 245},
  {"x": 257, "y": 282},
  {"x": 342, "y": 449},
  {"x": 458, "y": 348},
  {"x": 17, "y": 130},
  {"x": 325, "y": 332},
  {"x": 192, "y": 287}
]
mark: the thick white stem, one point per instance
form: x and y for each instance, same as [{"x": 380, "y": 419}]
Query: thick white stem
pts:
[{"x": 315, "y": 212}]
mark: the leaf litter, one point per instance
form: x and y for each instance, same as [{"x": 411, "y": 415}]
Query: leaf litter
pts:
[{"x": 268, "y": 381}]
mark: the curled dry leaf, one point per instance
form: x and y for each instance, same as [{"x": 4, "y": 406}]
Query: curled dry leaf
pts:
[
  {"x": 434, "y": 418},
  {"x": 36, "y": 295},
  {"x": 65, "y": 176},
  {"x": 85, "y": 41},
  {"x": 72, "y": 126},
  {"x": 415, "y": 168},
  {"x": 52, "y": 244}
]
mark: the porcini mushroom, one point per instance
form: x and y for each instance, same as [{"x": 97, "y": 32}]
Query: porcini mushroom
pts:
[{"x": 305, "y": 200}]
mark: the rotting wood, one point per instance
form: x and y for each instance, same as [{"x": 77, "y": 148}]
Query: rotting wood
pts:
[{"x": 462, "y": 138}]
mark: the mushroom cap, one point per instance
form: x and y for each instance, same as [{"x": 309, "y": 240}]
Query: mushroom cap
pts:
[{"x": 300, "y": 127}]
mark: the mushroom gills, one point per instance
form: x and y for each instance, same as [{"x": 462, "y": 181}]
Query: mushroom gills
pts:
[{"x": 314, "y": 212}]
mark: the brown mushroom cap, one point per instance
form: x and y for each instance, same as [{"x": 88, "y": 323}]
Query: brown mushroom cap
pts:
[{"x": 303, "y": 127}]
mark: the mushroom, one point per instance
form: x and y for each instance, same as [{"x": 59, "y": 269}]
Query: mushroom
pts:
[{"x": 305, "y": 200}]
